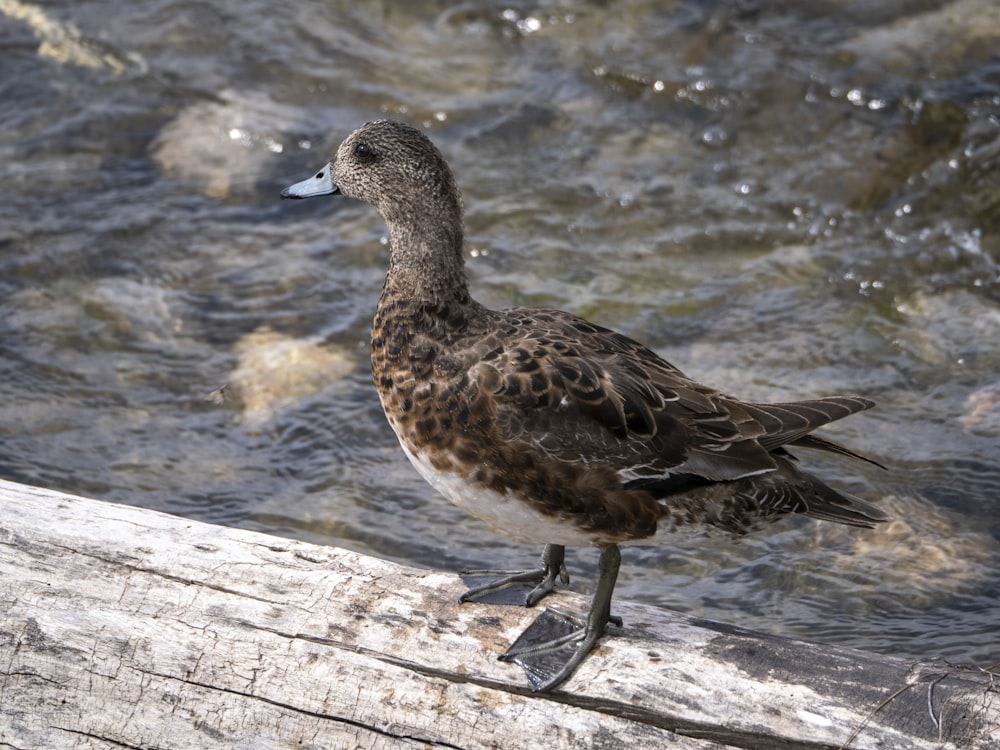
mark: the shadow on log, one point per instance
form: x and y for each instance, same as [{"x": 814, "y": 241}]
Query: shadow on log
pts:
[{"x": 124, "y": 627}]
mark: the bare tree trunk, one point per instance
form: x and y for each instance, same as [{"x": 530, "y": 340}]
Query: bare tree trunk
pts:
[{"x": 124, "y": 627}]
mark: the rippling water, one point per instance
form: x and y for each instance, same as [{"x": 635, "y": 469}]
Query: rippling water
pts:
[{"x": 786, "y": 201}]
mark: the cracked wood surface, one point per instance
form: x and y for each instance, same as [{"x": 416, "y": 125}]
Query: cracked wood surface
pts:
[{"x": 124, "y": 627}]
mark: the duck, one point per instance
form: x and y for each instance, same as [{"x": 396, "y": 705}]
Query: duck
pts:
[{"x": 552, "y": 429}]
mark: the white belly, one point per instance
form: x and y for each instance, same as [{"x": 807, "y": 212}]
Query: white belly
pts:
[{"x": 502, "y": 511}]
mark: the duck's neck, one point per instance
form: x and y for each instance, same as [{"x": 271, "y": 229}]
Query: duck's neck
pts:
[
  {"x": 426, "y": 263},
  {"x": 425, "y": 297}
]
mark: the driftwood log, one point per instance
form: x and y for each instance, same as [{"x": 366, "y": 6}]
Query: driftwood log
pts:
[{"x": 127, "y": 628}]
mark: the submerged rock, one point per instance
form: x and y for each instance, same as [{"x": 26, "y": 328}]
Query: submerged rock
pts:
[
  {"x": 274, "y": 371},
  {"x": 221, "y": 146}
]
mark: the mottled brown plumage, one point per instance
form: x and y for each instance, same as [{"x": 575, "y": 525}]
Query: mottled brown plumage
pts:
[{"x": 552, "y": 428}]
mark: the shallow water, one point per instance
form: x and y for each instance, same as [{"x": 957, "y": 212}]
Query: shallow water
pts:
[{"x": 785, "y": 202}]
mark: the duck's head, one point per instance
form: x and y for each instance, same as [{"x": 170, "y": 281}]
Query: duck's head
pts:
[{"x": 391, "y": 165}]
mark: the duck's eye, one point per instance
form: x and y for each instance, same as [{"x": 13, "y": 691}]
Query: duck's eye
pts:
[{"x": 364, "y": 151}]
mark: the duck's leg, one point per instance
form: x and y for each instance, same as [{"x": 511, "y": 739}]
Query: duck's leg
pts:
[
  {"x": 544, "y": 578},
  {"x": 550, "y": 662}
]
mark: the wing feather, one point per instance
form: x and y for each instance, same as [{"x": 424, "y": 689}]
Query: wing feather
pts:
[{"x": 651, "y": 420}]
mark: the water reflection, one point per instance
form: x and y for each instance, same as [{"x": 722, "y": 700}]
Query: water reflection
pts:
[{"x": 784, "y": 203}]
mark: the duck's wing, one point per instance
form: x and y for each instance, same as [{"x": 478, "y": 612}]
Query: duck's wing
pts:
[
  {"x": 741, "y": 505},
  {"x": 823, "y": 444},
  {"x": 791, "y": 422},
  {"x": 567, "y": 380}
]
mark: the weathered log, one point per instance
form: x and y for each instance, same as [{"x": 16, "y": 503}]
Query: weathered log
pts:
[{"x": 124, "y": 627}]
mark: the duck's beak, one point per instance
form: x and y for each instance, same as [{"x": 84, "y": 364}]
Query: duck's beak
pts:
[{"x": 320, "y": 183}]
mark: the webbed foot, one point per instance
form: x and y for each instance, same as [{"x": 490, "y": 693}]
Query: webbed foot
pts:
[
  {"x": 557, "y": 642},
  {"x": 543, "y": 579}
]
